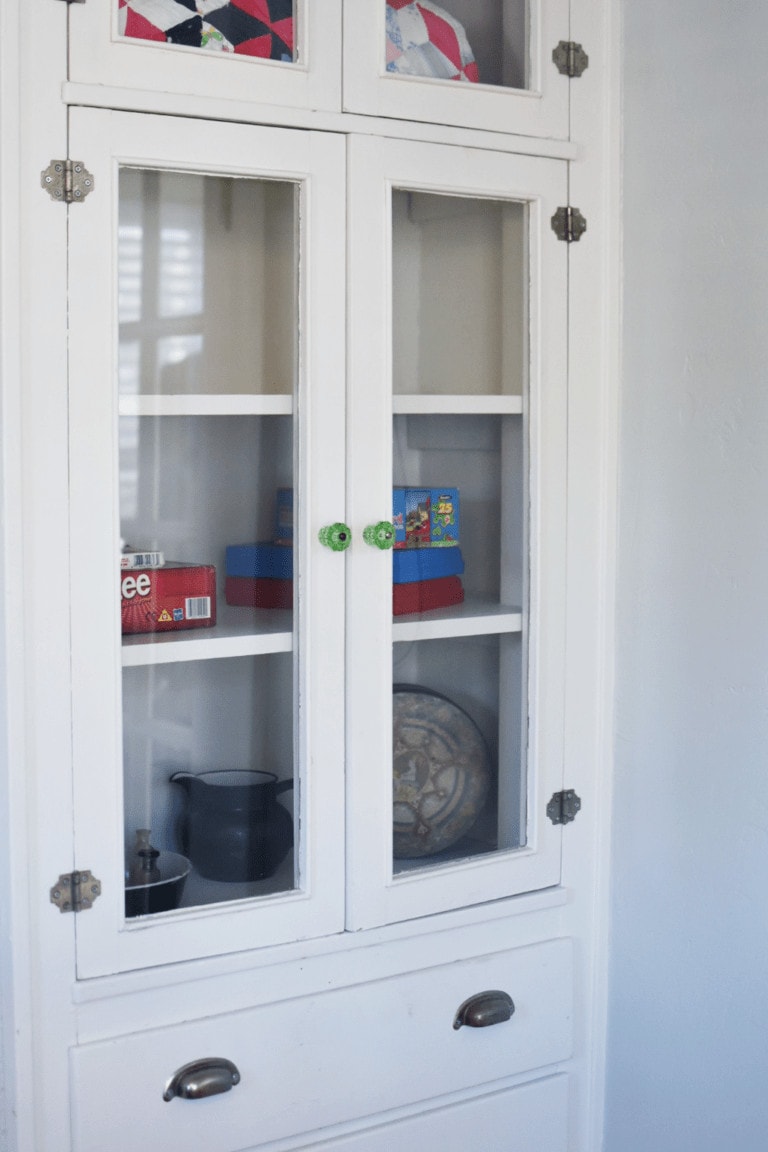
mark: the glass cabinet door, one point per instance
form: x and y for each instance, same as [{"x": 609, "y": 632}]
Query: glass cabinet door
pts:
[
  {"x": 284, "y": 52},
  {"x": 475, "y": 63},
  {"x": 456, "y": 695},
  {"x": 207, "y": 616}
]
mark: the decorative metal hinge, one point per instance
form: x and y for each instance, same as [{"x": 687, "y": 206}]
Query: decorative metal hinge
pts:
[
  {"x": 75, "y": 891},
  {"x": 568, "y": 224},
  {"x": 563, "y": 807},
  {"x": 570, "y": 58},
  {"x": 67, "y": 180}
]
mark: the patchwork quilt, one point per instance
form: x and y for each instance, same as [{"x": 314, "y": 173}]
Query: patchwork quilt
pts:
[{"x": 248, "y": 27}]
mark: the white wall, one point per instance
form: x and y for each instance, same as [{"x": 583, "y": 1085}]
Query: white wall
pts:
[{"x": 688, "y": 1047}]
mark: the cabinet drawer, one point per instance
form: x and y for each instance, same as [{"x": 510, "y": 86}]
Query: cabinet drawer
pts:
[
  {"x": 316, "y": 1061},
  {"x": 531, "y": 1118}
]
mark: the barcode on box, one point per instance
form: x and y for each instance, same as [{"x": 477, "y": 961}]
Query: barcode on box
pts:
[
  {"x": 197, "y": 608},
  {"x": 142, "y": 560}
]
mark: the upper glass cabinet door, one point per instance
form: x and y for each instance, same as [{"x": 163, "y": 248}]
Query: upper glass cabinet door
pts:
[
  {"x": 208, "y": 643},
  {"x": 282, "y": 52},
  {"x": 474, "y": 63},
  {"x": 458, "y": 346}
]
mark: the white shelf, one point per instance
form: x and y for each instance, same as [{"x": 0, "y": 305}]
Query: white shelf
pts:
[
  {"x": 275, "y": 404},
  {"x": 207, "y": 404},
  {"x": 254, "y": 632},
  {"x": 237, "y": 632},
  {"x": 466, "y": 405},
  {"x": 472, "y": 618}
]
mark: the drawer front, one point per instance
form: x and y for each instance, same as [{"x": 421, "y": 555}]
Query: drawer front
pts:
[
  {"x": 531, "y": 1118},
  {"x": 309, "y": 1063}
]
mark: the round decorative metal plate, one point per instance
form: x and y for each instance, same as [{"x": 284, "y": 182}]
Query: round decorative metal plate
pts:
[{"x": 441, "y": 772}]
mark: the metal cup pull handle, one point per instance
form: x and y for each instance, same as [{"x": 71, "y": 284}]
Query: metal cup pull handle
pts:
[
  {"x": 484, "y": 1009},
  {"x": 202, "y": 1078}
]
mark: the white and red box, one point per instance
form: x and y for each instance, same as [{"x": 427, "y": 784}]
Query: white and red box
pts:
[{"x": 168, "y": 599}]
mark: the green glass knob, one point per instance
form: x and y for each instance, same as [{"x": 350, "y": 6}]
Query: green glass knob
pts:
[
  {"x": 381, "y": 535},
  {"x": 337, "y": 537}
]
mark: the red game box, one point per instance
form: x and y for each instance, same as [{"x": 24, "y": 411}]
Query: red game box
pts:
[
  {"x": 426, "y": 595},
  {"x": 259, "y": 592},
  {"x": 168, "y": 599}
]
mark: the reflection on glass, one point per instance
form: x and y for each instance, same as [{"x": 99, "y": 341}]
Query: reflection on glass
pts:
[
  {"x": 208, "y": 768},
  {"x": 457, "y": 793},
  {"x": 459, "y": 295},
  {"x": 460, "y": 558},
  {"x": 192, "y": 485},
  {"x": 207, "y": 271},
  {"x": 207, "y": 289},
  {"x": 261, "y": 28},
  {"x": 458, "y": 754},
  {"x": 472, "y": 41}
]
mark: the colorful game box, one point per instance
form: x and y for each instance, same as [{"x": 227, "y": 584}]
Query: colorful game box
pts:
[
  {"x": 425, "y": 517},
  {"x": 413, "y": 564},
  {"x": 168, "y": 599},
  {"x": 272, "y": 561}
]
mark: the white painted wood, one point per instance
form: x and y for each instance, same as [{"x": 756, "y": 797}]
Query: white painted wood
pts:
[
  {"x": 375, "y": 168},
  {"x": 354, "y": 1052},
  {"x": 35, "y": 779},
  {"x": 105, "y": 942},
  {"x": 595, "y": 369},
  {"x": 534, "y": 1115},
  {"x": 236, "y": 634},
  {"x": 99, "y": 55},
  {"x": 467, "y": 619},
  {"x": 224, "y": 405},
  {"x": 160, "y": 997},
  {"x": 540, "y": 109},
  {"x": 251, "y": 112}
]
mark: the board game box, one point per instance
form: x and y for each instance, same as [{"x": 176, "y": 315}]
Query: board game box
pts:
[{"x": 168, "y": 599}]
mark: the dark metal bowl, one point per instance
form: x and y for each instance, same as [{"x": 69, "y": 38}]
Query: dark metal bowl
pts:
[{"x": 162, "y": 895}]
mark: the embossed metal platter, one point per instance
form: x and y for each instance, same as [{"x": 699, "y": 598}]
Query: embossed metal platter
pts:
[{"x": 441, "y": 772}]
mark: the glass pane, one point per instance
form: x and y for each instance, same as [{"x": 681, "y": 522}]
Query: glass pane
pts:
[
  {"x": 204, "y": 502},
  {"x": 460, "y": 500},
  {"x": 458, "y": 505},
  {"x": 458, "y": 758},
  {"x": 459, "y": 686},
  {"x": 207, "y": 290},
  {"x": 459, "y": 300},
  {"x": 208, "y": 760},
  {"x": 474, "y": 41},
  {"x": 206, "y": 284},
  {"x": 261, "y": 28}
]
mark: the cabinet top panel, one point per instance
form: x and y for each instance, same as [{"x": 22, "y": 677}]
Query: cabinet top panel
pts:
[{"x": 482, "y": 65}]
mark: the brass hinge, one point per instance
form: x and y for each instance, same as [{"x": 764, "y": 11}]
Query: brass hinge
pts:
[
  {"x": 563, "y": 807},
  {"x": 67, "y": 180},
  {"x": 569, "y": 224},
  {"x": 75, "y": 891},
  {"x": 570, "y": 58}
]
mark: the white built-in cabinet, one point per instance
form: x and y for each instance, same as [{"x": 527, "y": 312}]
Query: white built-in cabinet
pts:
[{"x": 295, "y": 286}]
